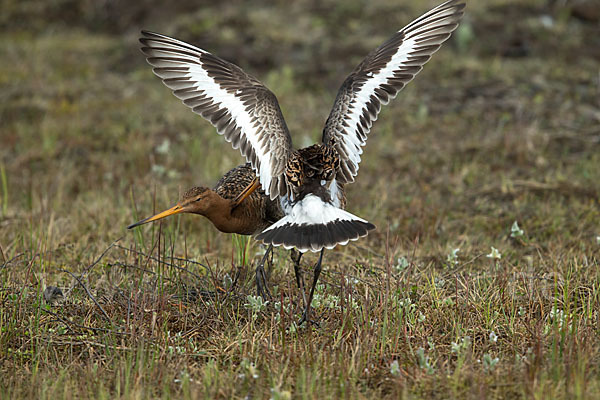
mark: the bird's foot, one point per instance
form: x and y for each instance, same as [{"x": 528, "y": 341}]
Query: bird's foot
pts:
[{"x": 306, "y": 319}]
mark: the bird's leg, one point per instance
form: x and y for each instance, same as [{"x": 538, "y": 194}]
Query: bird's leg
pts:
[
  {"x": 270, "y": 271},
  {"x": 298, "y": 272},
  {"x": 305, "y": 315},
  {"x": 261, "y": 278}
]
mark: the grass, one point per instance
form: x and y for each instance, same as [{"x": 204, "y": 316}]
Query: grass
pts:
[{"x": 501, "y": 126}]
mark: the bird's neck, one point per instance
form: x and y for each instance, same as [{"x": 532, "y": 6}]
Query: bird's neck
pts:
[{"x": 221, "y": 215}]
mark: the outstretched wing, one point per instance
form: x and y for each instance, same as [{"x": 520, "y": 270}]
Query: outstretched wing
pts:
[
  {"x": 379, "y": 78},
  {"x": 242, "y": 109}
]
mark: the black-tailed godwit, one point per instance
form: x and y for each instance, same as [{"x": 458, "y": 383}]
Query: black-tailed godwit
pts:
[{"x": 309, "y": 182}]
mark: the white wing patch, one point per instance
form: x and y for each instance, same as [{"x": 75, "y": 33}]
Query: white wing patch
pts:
[
  {"x": 235, "y": 103},
  {"x": 352, "y": 143},
  {"x": 380, "y": 77},
  {"x": 224, "y": 99}
]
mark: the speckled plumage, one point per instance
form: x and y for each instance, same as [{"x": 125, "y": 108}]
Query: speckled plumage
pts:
[
  {"x": 309, "y": 170},
  {"x": 257, "y": 207}
]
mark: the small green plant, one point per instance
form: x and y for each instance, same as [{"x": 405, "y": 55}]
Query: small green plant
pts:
[
  {"x": 227, "y": 281},
  {"x": 452, "y": 258},
  {"x": 515, "y": 231},
  {"x": 279, "y": 394},
  {"x": 164, "y": 147},
  {"x": 461, "y": 345},
  {"x": 248, "y": 370},
  {"x": 439, "y": 282},
  {"x": 494, "y": 254},
  {"x": 395, "y": 368},
  {"x": 448, "y": 302},
  {"x": 489, "y": 363},
  {"x": 558, "y": 318},
  {"x": 256, "y": 305},
  {"x": 430, "y": 343},
  {"x": 424, "y": 362},
  {"x": 401, "y": 264},
  {"x": 465, "y": 35}
]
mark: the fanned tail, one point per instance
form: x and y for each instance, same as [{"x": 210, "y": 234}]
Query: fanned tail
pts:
[{"x": 313, "y": 225}]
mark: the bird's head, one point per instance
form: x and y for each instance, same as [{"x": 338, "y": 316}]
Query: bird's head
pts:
[{"x": 197, "y": 200}]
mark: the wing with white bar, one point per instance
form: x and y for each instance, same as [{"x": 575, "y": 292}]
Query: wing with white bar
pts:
[
  {"x": 242, "y": 109},
  {"x": 379, "y": 78}
]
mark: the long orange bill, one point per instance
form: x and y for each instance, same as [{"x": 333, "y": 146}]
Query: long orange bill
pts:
[
  {"x": 171, "y": 211},
  {"x": 246, "y": 192}
]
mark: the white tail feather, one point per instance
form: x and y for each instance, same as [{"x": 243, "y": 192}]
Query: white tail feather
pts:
[
  {"x": 312, "y": 211},
  {"x": 312, "y": 224}
]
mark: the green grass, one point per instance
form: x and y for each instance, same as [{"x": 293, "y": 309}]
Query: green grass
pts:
[{"x": 91, "y": 142}]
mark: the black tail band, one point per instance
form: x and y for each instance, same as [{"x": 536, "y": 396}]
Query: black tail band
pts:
[{"x": 315, "y": 237}]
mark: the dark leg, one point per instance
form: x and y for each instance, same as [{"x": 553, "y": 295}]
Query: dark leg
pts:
[
  {"x": 305, "y": 315},
  {"x": 261, "y": 278},
  {"x": 270, "y": 271},
  {"x": 296, "y": 256}
]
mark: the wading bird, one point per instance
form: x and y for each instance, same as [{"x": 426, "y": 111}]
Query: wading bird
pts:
[
  {"x": 234, "y": 205},
  {"x": 309, "y": 182}
]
